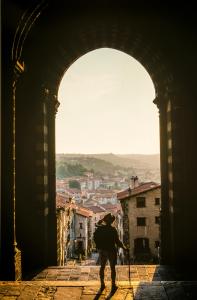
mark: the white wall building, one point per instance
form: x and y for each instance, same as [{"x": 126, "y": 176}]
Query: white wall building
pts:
[{"x": 80, "y": 229}]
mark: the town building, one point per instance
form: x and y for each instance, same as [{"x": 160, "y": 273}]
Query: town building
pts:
[
  {"x": 141, "y": 221},
  {"x": 64, "y": 215},
  {"x": 99, "y": 211},
  {"x": 105, "y": 197},
  {"x": 116, "y": 210},
  {"x": 80, "y": 232}
]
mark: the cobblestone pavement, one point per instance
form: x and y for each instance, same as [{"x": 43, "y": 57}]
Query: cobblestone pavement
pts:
[
  {"x": 81, "y": 283},
  {"x": 86, "y": 273}
]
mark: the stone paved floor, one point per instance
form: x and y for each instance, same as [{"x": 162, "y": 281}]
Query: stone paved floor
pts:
[
  {"x": 81, "y": 283},
  {"x": 87, "y": 273}
]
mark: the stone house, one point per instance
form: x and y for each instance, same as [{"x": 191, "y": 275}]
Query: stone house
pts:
[
  {"x": 99, "y": 211},
  {"x": 116, "y": 210},
  {"x": 80, "y": 231},
  {"x": 141, "y": 222},
  {"x": 64, "y": 215}
]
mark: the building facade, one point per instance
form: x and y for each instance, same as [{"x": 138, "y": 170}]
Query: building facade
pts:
[
  {"x": 80, "y": 232},
  {"x": 141, "y": 206},
  {"x": 64, "y": 215}
]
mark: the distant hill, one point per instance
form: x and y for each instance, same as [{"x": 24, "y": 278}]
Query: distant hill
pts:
[
  {"x": 89, "y": 163},
  {"x": 146, "y": 167},
  {"x": 131, "y": 160}
]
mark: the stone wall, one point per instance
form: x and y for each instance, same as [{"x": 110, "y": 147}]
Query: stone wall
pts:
[{"x": 150, "y": 211}]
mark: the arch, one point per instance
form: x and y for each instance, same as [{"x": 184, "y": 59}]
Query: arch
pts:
[
  {"x": 87, "y": 31},
  {"x": 51, "y": 37}
]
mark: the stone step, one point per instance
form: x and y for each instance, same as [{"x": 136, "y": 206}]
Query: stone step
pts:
[{"x": 75, "y": 290}]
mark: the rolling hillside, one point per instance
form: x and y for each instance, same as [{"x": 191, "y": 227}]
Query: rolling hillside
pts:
[{"x": 146, "y": 167}]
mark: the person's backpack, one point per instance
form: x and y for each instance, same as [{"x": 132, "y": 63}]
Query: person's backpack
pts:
[{"x": 98, "y": 237}]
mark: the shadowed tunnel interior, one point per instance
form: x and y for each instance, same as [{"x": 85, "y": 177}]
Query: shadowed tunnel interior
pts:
[{"x": 41, "y": 39}]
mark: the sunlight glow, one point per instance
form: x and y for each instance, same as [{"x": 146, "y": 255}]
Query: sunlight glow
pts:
[{"x": 106, "y": 106}]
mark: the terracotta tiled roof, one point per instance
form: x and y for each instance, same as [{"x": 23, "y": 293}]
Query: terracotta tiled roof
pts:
[
  {"x": 111, "y": 206},
  {"x": 124, "y": 194},
  {"x": 62, "y": 201},
  {"x": 142, "y": 188},
  {"x": 97, "y": 209},
  {"x": 84, "y": 212}
]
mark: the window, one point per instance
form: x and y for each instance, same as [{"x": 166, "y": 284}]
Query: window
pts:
[
  {"x": 157, "y": 244},
  {"x": 141, "y": 221},
  {"x": 157, "y": 201},
  {"x": 157, "y": 220},
  {"x": 141, "y": 245},
  {"x": 140, "y": 202},
  {"x": 80, "y": 225}
]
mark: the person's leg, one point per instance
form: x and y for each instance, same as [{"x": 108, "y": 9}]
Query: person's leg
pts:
[
  {"x": 98, "y": 262},
  {"x": 103, "y": 261},
  {"x": 113, "y": 262}
]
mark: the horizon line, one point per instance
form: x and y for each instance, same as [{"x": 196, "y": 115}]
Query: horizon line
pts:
[{"x": 77, "y": 153}]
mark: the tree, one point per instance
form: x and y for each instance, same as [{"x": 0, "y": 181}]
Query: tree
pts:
[
  {"x": 74, "y": 184},
  {"x": 61, "y": 171}
]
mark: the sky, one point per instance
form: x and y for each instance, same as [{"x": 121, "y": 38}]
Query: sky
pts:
[{"x": 106, "y": 106}]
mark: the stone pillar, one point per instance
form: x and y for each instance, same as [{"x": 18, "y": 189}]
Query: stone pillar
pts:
[
  {"x": 184, "y": 161},
  {"x": 45, "y": 174},
  {"x": 35, "y": 205},
  {"x": 166, "y": 229},
  {"x": 10, "y": 253},
  {"x": 178, "y": 180},
  {"x": 52, "y": 105}
]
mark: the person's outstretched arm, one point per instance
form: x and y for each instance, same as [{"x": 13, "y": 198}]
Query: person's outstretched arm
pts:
[{"x": 118, "y": 241}]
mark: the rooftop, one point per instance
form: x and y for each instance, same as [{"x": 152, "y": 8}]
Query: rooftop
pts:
[
  {"x": 142, "y": 188},
  {"x": 83, "y": 211},
  {"x": 97, "y": 208},
  {"x": 62, "y": 200}
]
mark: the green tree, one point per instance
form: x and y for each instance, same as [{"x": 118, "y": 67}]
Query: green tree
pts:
[
  {"x": 76, "y": 169},
  {"x": 74, "y": 184},
  {"x": 61, "y": 171}
]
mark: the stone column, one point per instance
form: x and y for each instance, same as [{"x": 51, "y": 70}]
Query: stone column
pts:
[
  {"x": 166, "y": 224},
  {"x": 46, "y": 179},
  {"x": 10, "y": 253},
  {"x": 35, "y": 181},
  {"x": 52, "y": 105},
  {"x": 183, "y": 181},
  {"x": 18, "y": 70},
  {"x": 178, "y": 175}
]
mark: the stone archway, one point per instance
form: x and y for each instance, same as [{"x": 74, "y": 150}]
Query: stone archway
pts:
[{"x": 49, "y": 39}]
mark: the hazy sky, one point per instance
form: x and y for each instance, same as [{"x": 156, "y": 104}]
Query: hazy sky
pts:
[{"x": 106, "y": 106}]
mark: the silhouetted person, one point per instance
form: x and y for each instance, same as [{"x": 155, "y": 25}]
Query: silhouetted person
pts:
[{"x": 107, "y": 241}]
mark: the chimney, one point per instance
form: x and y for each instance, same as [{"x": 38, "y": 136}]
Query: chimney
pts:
[{"x": 134, "y": 182}]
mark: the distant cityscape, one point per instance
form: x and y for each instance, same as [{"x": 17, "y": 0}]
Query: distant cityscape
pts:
[
  {"x": 89, "y": 186},
  {"x": 146, "y": 167}
]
